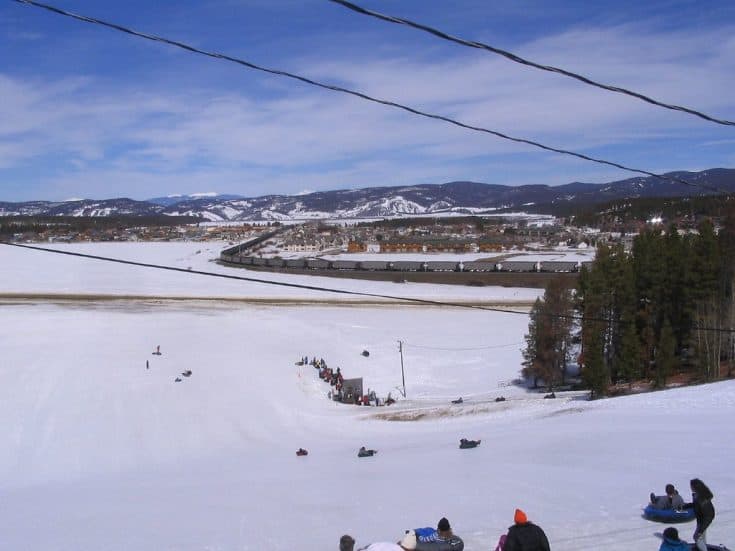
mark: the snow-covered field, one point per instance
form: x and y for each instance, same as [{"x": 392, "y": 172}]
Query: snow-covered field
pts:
[
  {"x": 29, "y": 271},
  {"x": 101, "y": 454}
]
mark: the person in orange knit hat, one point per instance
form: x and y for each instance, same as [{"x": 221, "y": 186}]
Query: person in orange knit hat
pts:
[{"x": 525, "y": 535}]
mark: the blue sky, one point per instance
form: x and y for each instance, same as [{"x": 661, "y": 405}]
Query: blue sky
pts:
[{"x": 87, "y": 112}]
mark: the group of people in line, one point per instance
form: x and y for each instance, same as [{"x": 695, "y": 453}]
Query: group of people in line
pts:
[
  {"x": 335, "y": 378},
  {"x": 704, "y": 512},
  {"x": 326, "y": 374},
  {"x": 523, "y": 535}
]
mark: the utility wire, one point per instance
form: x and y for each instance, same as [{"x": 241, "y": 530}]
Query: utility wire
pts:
[
  {"x": 408, "y": 344},
  {"x": 364, "y": 96},
  {"x": 522, "y": 61},
  {"x": 332, "y": 290},
  {"x": 266, "y": 281}
]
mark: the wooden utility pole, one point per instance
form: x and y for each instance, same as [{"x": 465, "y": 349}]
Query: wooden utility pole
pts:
[{"x": 403, "y": 374}]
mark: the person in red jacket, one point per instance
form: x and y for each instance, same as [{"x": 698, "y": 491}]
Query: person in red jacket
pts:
[{"x": 525, "y": 535}]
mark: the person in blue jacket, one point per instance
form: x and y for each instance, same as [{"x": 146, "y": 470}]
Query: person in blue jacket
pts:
[
  {"x": 445, "y": 539},
  {"x": 672, "y": 542}
]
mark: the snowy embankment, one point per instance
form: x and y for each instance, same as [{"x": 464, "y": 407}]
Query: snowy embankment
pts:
[{"x": 101, "y": 453}]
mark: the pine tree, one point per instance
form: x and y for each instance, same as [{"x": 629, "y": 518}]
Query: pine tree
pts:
[
  {"x": 707, "y": 314},
  {"x": 629, "y": 367},
  {"x": 665, "y": 354},
  {"x": 726, "y": 239},
  {"x": 675, "y": 290},
  {"x": 549, "y": 336},
  {"x": 625, "y": 351},
  {"x": 532, "y": 339},
  {"x": 594, "y": 373}
]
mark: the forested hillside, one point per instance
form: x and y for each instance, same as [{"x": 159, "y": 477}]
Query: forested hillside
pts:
[{"x": 665, "y": 308}]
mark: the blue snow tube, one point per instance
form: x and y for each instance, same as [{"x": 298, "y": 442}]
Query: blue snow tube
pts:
[
  {"x": 668, "y": 515},
  {"x": 426, "y": 534}
]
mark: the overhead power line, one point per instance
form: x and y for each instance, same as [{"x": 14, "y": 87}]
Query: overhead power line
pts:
[
  {"x": 454, "y": 349},
  {"x": 529, "y": 63},
  {"x": 364, "y": 96},
  {"x": 266, "y": 281},
  {"x": 319, "y": 288}
]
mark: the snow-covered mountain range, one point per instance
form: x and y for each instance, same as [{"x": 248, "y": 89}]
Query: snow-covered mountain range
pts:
[{"x": 452, "y": 197}]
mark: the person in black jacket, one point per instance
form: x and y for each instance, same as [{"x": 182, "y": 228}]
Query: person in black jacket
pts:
[
  {"x": 703, "y": 510},
  {"x": 525, "y": 535}
]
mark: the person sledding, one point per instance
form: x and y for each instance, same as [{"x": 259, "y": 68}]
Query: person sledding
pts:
[
  {"x": 157, "y": 352},
  {"x": 466, "y": 444},
  {"x": 445, "y": 539},
  {"x": 458, "y": 400},
  {"x": 670, "y": 500},
  {"x": 671, "y": 541},
  {"x": 186, "y": 373},
  {"x": 301, "y": 452},
  {"x": 363, "y": 452}
]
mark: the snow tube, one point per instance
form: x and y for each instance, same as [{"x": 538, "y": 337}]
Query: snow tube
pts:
[
  {"x": 426, "y": 534},
  {"x": 668, "y": 515}
]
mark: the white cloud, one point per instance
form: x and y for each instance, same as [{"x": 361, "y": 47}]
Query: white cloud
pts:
[{"x": 116, "y": 141}]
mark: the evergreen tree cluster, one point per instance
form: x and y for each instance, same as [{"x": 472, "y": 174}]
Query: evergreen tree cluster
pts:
[
  {"x": 549, "y": 338},
  {"x": 666, "y": 307},
  {"x": 10, "y": 225},
  {"x": 627, "y": 213}
]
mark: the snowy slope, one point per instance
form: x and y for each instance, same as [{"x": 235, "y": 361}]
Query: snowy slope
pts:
[{"x": 100, "y": 453}]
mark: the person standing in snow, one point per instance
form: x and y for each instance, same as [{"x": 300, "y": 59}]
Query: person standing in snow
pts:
[
  {"x": 703, "y": 510},
  {"x": 445, "y": 539},
  {"x": 672, "y": 542},
  {"x": 525, "y": 535}
]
